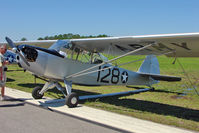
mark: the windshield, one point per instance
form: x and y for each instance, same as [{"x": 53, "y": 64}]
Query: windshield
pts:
[{"x": 69, "y": 51}]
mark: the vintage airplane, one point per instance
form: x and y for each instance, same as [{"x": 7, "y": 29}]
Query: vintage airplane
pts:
[{"x": 79, "y": 61}]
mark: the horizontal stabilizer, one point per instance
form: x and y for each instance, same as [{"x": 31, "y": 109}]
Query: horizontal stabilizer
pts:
[{"x": 161, "y": 77}]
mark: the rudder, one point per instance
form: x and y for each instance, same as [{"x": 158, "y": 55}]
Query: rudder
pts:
[{"x": 150, "y": 65}]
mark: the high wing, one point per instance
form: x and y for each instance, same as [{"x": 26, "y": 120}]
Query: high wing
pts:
[
  {"x": 183, "y": 45},
  {"x": 38, "y": 43}
]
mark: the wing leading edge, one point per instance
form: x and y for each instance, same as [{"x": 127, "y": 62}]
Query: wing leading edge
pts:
[{"x": 182, "y": 45}]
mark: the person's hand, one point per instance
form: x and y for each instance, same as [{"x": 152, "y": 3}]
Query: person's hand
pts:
[{"x": 6, "y": 62}]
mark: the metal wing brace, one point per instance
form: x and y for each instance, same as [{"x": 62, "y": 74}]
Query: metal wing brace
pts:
[{"x": 84, "y": 72}]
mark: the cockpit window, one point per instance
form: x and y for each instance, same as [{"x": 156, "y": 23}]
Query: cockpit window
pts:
[{"x": 71, "y": 52}]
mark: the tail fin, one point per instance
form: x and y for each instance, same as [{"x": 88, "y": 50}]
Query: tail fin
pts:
[
  {"x": 150, "y": 68},
  {"x": 150, "y": 65}
]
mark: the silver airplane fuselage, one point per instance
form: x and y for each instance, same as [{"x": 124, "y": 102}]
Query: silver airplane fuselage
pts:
[{"x": 58, "y": 68}]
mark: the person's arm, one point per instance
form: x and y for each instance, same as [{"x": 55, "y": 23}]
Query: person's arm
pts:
[
  {"x": 1, "y": 67},
  {"x": 1, "y": 73}
]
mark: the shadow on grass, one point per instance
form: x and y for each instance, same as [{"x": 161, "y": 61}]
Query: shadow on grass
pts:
[
  {"x": 15, "y": 70},
  {"x": 164, "y": 91},
  {"x": 10, "y": 80},
  {"x": 140, "y": 105},
  {"x": 54, "y": 92},
  {"x": 153, "y": 107},
  {"x": 30, "y": 85}
]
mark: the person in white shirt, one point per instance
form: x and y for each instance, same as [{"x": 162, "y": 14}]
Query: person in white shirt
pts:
[{"x": 3, "y": 62}]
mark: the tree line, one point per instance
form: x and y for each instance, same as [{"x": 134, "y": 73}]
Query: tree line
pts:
[
  {"x": 69, "y": 36},
  {"x": 66, "y": 36}
]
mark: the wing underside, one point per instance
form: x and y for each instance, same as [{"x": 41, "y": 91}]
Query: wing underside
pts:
[{"x": 178, "y": 45}]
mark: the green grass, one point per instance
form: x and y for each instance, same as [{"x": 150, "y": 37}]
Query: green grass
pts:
[{"x": 165, "y": 105}]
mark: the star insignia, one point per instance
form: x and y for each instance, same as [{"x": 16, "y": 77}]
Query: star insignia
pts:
[
  {"x": 10, "y": 59},
  {"x": 124, "y": 77}
]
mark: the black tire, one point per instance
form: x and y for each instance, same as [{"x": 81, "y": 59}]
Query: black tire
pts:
[
  {"x": 35, "y": 93},
  {"x": 152, "y": 89},
  {"x": 72, "y": 100}
]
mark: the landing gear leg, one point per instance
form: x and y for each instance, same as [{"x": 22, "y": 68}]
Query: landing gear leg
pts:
[
  {"x": 152, "y": 88},
  {"x": 38, "y": 92},
  {"x": 72, "y": 98}
]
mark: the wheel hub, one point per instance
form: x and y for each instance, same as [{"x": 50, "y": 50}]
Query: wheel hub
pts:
[{"x": 74, "y": 100}]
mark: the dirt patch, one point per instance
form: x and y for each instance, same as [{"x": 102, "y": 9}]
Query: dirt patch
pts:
[{"x": 179, "y": 97}]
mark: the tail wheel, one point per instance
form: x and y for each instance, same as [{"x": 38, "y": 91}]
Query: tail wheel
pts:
[
  {"x": 35, "y": 93},
  {"x": 72, "y": 100},
  {"x": 152, "y": 89}
]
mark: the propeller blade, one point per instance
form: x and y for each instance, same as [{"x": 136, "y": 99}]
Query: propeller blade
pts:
[
  {"x": 10, "y": 42},
  {"x": 22, "y": 57},
  {"x": 14, "y": 48}
]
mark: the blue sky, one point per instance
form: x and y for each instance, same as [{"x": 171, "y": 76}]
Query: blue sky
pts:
[{"x": 39, "y": 18}]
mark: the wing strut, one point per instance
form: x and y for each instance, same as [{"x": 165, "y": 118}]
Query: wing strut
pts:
[
  {"x": 117, "y": 65},
  {"x": 134, "y": 51}
]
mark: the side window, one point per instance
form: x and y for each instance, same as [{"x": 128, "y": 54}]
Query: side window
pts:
[
  {"x": 96, "y": 59},
  {"x": 74, "y": 53},
  {"x": 85, "y": 57}
]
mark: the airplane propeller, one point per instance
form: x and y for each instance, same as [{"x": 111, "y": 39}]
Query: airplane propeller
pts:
[{"x": 16, "y": 50}]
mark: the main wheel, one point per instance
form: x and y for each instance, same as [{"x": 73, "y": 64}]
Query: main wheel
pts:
[
  {"x": 152, "y": 89},
  {"x": 72, "y": 100},
  {"x": 35, "y": 93}
]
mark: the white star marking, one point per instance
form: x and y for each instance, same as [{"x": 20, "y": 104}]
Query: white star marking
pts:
[
  {"x": 124, "y": 77},
  {"x": 10, "y": 59}
]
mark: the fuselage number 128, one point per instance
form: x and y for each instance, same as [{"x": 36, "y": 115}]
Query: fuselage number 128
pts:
[{"x": 106, "y": 72}]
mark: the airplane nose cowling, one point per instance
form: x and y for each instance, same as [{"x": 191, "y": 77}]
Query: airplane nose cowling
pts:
[{"x": 29, "y": 53}]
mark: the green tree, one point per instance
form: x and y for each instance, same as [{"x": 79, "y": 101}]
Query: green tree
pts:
[
  {"x": 103, "y": 35},
  {"x": 46, "y": 38},
  {"x": 70, "y": 36},
  {"x": 23, "y": 39},
  {"x": 40, "y": 38}
]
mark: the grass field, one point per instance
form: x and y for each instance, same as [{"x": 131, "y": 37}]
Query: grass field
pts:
[{"x": 172, "y": 103}]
